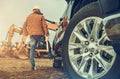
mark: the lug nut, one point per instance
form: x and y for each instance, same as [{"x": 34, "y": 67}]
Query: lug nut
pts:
[
  {"x": 90, "y": 54},
  {"x": 92, "y": 39},
  {"x": 86, "y": 50},
  {"x": 86, "y": 43}
]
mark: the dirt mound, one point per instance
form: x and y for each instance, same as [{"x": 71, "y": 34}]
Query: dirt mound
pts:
[{"x": 11, "y": 54}]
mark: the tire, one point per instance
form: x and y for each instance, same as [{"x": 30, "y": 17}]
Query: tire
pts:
[
  {"x": 57, "y": 63},
  {"x": 86, "y": 53}
]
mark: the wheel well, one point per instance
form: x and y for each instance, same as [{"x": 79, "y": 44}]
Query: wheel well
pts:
[{"x": 78, "y": 4}]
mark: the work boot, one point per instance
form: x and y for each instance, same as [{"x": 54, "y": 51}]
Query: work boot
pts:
[{"x": 34, "y": 68}]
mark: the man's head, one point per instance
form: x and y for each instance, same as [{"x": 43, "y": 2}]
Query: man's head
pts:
[{"x": 36, "y": 9}]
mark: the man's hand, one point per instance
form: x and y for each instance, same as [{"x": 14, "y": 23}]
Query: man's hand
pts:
[
  {"x": 46, "y": 38},
  {"x": 24, "y": 39}
]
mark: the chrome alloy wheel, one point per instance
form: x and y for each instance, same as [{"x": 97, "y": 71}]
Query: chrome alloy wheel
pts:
[{"x": 90, "y": 55}]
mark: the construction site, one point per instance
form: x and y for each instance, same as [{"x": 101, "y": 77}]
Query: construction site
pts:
[
  {"x": 67, "y": 39},
  {"x": 15, "y": 63},
  {"x": 14, "y": 53}
]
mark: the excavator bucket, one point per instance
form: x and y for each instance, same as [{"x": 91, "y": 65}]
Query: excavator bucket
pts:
[{"x": 22, "y": 51}]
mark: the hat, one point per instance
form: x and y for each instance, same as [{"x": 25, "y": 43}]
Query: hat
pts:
[{"x": 36, "y": 7}]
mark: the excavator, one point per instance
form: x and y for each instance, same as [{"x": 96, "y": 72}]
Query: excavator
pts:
[{"x": 21, "y": 49}]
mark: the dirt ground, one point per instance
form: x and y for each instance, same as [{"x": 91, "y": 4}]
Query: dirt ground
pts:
[{"x": 12, "y": 68}]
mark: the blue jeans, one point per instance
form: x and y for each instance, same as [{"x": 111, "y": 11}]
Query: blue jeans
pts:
[
  {"x": 49, "y": 52},
  {"x": 33, "y": 41},
  {"x": 32, "y": 51}
]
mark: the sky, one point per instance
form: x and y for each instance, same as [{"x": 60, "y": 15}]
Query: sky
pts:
[{"x": 16, "y": 11}]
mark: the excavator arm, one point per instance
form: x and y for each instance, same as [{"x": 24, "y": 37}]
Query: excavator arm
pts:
[{"x": 12, "y": 29}]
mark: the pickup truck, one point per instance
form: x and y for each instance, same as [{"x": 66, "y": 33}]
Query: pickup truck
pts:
[{"x": 89, "y": 47}]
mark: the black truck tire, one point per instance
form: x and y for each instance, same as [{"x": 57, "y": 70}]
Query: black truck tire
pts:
[
  {"x": 57, "y": 63},
  {"x": 83, "y": 57}
]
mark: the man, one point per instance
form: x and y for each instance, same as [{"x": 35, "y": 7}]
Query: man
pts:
[
  {"x": 36, "y": 27},
  {"x": 64, "y": 23}
]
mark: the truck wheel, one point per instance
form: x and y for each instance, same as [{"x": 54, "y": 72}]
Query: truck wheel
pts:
[
  {"x": 87, "y": 53},
  {"x": 57, "y": 63}
]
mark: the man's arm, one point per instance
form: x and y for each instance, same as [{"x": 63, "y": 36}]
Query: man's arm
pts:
[
  {"x": 45, "y": 27},
  {"x": 24, "y": 29}
]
